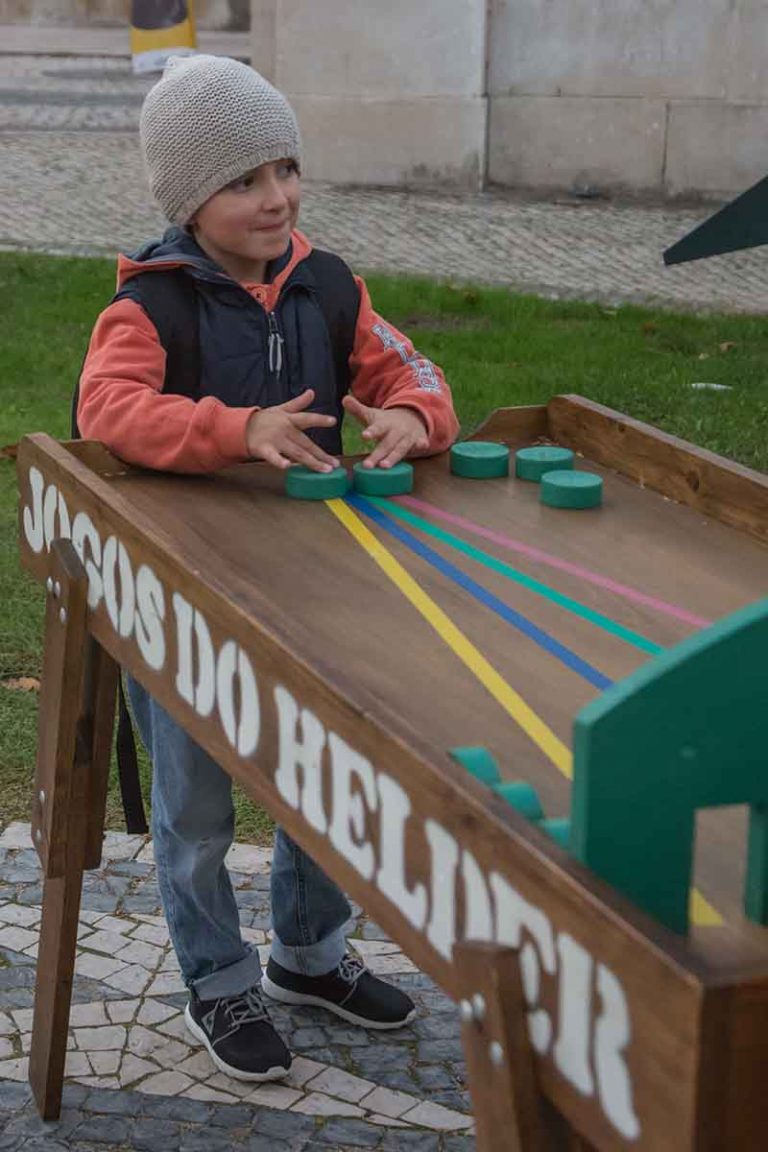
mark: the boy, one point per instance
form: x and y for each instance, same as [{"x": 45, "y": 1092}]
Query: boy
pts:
[{"x": 222, "y": 152}]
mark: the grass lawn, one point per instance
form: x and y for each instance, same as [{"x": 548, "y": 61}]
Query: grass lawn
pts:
[{"x": 497, "y": 349}]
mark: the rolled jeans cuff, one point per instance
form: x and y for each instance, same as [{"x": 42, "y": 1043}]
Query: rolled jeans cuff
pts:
[
  {"x": 230, "y": 981},
  {"x": 311, "y": 959}
]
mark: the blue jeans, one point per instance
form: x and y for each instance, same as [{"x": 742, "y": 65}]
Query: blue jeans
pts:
[{"x": 193, "y": 824}]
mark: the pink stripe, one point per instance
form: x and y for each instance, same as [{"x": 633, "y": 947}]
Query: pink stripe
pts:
[{"x": 554, "y": 562}]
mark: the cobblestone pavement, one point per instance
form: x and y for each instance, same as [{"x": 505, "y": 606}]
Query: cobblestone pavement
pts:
[
  {"x": 71, "y": 181},
  {"x": 135, "y": 1078}
]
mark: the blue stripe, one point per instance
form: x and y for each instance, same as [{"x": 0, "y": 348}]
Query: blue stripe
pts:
[{"x": 543, "y": 639}]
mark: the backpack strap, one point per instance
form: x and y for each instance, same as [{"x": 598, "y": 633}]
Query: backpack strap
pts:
[{"x": 339, "y": 300}]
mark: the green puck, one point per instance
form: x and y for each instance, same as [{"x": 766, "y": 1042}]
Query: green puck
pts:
[
  {"x": 394, "y": 481},
  {"x": 479, "y": 460},
  {"x": 532, "y": 463},
  {"x": 522, "y": 796},
  {"x": 571, "y": 490},
  {"x": 478, "y": 762},
  {"x": 304, "y": 484}
]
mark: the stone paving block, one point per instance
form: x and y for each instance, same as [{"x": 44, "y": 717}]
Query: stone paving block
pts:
[
  {"x": 19, "y": 914},
  {"x": 101, "y": 1039},
  {"x": 168, "y": 1083},
  {"x": 14, "y": 1069},
  {"x": 152, "y": 933},
  {"x": 388, "y": 1103},
  {"x": 135, "y": 1068},
  {"x": 149, "y": 956},
  {"x": 97, "y": 967},
  {"x": 118, "y": 846},
  {"x": 401, "y": 1141},
  {"x": 154, "y": 1012},
  {"x": 335, "y": 1082},
  {"x": 87, "y": 1015},
  {"x": 11, "y": 936},
  {"x": 121, "y": 1011},
  {"x": 302, "y": 1070},
  {"x": 165, "y": 983},
  {"x": 277, "y": 1096},
  {"x": 249, "y": 858},
  {"x": 155, "y": 1134},
  {"x": 355, "y": 1134},
  {"x": 318, "y": 1104},
  {"x": 208, "y": 1094},
  {"x": 17, "y": 834},
  {"x": 429, "y": 1115}
]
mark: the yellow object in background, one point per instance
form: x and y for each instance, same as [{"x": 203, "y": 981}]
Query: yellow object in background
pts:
[{"x": 159, "y": 29}]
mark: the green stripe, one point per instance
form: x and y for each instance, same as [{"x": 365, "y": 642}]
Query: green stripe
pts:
[{"x": 511, "y": 573}]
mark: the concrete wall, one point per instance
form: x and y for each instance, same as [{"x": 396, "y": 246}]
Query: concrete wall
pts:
[{"x": 646, "y": 97}]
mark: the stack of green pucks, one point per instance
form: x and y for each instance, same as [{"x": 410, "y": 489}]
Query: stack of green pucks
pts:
[
  {"x": 561, "y": 486},
  {"x": 304, "y": 484},
  {"x": 520, "y": 795}
]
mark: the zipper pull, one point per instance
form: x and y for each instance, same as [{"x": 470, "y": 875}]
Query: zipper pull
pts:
[{"x": 275, "y": 345}]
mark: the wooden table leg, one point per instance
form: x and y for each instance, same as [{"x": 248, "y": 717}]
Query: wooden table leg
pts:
[
  {"x": 77, "y": 701},
  {"x": 500, "y": 1065}
]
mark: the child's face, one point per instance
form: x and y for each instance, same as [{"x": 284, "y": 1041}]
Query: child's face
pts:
[{"x": 249, "y": 222}]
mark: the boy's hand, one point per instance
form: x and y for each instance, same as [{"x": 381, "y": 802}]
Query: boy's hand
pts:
[
  {"x": 276, "y": 435},
  {"x": 397, "y": 431}
]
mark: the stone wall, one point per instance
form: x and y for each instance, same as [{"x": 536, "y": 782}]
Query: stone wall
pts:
[{"x": 656, "y": 98}]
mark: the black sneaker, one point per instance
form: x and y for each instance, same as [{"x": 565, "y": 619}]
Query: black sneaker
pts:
[
  {"x": 350, "y": 991},
  {"x": 239, "y": 1036}
]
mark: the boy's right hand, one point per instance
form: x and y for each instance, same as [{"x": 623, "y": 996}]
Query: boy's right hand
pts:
[{"x": 276, "y": 435}]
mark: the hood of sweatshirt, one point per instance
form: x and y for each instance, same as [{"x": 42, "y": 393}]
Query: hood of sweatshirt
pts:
[{"x": 179, "y": 249}]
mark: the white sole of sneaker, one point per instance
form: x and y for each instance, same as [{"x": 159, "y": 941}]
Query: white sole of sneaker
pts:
[
  {"x": 286, "y": 996},
  {"x": 277, "y": 1073}
]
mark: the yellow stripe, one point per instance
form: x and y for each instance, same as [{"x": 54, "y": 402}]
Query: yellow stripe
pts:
[
  {"x": 701, "y": 911},
  {"x": 513, "y": 704}
]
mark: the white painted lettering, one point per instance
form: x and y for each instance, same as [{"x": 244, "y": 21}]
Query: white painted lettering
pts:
[
  {"x": 513, "y": 914},
  {"x": 612, "y": 1035},
  {"x": 150, "y": 614},
  {"x": 243, "y": 734},
  {"x": 56, "y": 522},
  {"x": 84, "y": 533},
  {"x": 395, "y": 810},
  {"x": 306, "y": 752},
  {"x": 444, "y": 852},
  {"x": 574, "y": 1014},
  {"x": 350, "y": 770},
  {"x": 33, "y": 517},
  {"x": 120, "y": 606},
  {"x": 191, "y": 627},
  {"x": 478, "y": 915}
]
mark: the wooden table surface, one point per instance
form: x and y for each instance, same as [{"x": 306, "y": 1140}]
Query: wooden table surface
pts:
[{"x": 296, "y": 562}]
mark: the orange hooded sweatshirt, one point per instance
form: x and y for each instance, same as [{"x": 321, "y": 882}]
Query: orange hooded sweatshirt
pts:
[{"x": 122, "y": 402}]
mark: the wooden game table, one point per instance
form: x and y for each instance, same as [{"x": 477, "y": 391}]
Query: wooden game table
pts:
[{"x": 330, "y": 655}]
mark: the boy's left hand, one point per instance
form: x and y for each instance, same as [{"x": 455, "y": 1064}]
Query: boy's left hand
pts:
[{"x": 397, "y": 431}]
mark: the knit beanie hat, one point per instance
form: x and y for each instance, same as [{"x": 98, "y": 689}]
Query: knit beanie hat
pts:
[{"x": 207, "y": 121}]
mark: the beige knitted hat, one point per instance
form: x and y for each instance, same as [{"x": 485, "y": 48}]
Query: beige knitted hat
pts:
[{"x": 207, "y": 121}]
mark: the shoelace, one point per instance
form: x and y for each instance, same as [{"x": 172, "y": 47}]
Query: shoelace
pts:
[
  {"x": 351, "y": 969},
  {"x": 246, "y": 1009}
]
